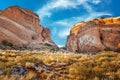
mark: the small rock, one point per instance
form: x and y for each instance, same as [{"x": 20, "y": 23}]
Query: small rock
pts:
[{"x": 18, "y": 70}]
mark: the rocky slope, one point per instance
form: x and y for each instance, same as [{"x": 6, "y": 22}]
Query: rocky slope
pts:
[
  {"x": 21, "y": 27},
  {"x": 95, "y": 35}
]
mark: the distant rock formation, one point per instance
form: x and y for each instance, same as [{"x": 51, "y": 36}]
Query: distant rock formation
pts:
[
  {"x": 20, "y": 27},
  {"x": 95, "y": 35}
]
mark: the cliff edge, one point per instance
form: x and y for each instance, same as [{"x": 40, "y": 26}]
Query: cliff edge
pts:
[{"x": 20, "y": 27}]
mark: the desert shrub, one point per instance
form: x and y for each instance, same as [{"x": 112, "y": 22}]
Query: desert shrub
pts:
[
  {"x": 6, "y": 43},
  {"x": 47, "y": 44},
  {"x": 107, "y": 49},
  {"x": 54, "y": 48}
]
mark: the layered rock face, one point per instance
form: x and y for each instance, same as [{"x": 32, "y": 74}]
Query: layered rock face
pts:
[
  {"x": 21, "y": 27},
  {"x": 95, "y": 35}
]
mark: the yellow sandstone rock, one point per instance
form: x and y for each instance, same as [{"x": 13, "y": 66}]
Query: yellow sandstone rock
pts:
[{"x": 106, "y": 21}]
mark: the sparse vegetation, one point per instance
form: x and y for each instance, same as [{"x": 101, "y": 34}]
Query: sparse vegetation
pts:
[
  {"x": 6, "y": 43},
  {"x": 47, "y": 44},
  {"x": 45, "y": 65}
]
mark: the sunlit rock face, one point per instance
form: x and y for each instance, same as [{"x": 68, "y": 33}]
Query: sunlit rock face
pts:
[
  {"x": 95, "y": 35},
  {"x": 21, "y": 27}
]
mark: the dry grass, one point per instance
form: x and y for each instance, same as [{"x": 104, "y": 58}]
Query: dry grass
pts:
[{"x": 45, "y": 65}]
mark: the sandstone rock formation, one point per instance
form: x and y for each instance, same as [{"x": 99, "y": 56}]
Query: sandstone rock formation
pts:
[
  {"x": 21, "y": 27},
  {"x": 95, "y": 35}
]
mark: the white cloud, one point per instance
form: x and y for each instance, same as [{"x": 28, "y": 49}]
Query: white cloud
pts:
[
  {"x": 52, "y": 5},
  {"x": 97, "y": 14},
  {"x": 47, "y": 9},
  {"x": 55, "y": 5},
  {"x": 66, "y": 24},
  {"x": 54, "y": 31},
  {"x": 63, "y": 23},
  {"x": 96, "y": 1},
  {"x": 64, "y": 33}
]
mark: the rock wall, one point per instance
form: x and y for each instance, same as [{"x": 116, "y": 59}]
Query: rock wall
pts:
[
  {"x": 21, "y": 27},
  {"x": 21, "y": 15},
  {"x": 95, "y": 35}
]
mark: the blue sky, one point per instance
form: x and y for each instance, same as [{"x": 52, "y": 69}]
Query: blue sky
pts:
[{"x": 60, "y": 15}]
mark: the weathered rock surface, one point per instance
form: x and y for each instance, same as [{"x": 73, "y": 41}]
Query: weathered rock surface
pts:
[
  {"x": 21, "y": 27},
  {"x": 95, "y": 35}
]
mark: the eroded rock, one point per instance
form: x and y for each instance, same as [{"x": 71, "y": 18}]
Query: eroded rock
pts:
[
  {"x": 21, "y": 27},
  {"x": 95, "y": 35}
]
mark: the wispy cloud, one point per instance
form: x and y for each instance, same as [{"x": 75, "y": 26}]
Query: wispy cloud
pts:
[
  {"x": 96, "y": 1},
  {"x": 54, "y": 31},
  {"x": 56, "y": 5},
  {"x": 66, "y": 24},
  {"x": 63, "y": 33},
  {"x": 47, "y": 9},
  {"x": 52, "y": 5}
]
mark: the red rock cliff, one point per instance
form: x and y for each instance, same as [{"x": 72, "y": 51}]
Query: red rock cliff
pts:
[
  {"x": 95, "y": 35},
  {"x": 21, "y": 27}
]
